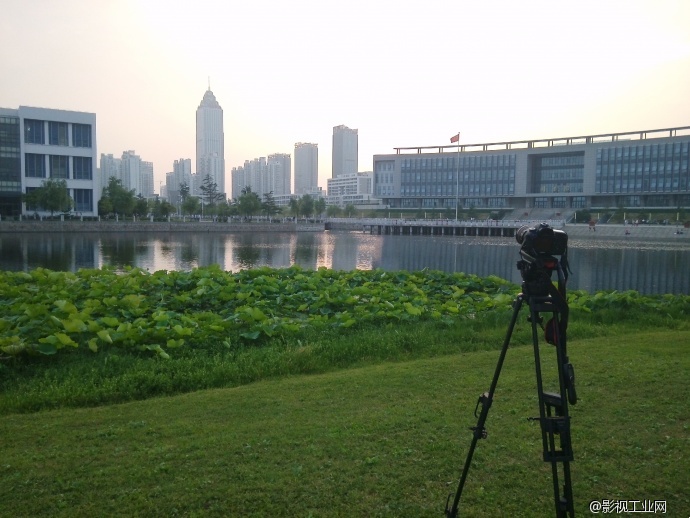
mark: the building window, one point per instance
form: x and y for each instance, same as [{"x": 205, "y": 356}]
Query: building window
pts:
[
  {"x": 83, "y": 200},
  {"x": 81, "y": 135},
  {"x": 59, "y": 166},
  {"x": 57, "y": 132},
  {"x": 34, "y": 132},
  {"x": 34, "y": 165},
  {"x": 82, "y": 168}
]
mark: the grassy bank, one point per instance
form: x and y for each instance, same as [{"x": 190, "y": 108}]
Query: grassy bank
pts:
[{"x": 380, "y": 440}]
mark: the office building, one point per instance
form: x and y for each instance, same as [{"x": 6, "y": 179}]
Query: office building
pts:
[
  {"x": 37, "y": 144},
  {"x": 345, "y": 151},
  {"x": 306, "y": 167},
  {"x": 210, "y": 141},
  {"x": 351, "y": 189},
  {"x": 634, "y": 169}
]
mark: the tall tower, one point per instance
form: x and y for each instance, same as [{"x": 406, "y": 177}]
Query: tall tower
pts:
[
  {"x": 345, "y": 151},
  {"x": 306, "y": 167},
  {"x": 210, "y": 141}
]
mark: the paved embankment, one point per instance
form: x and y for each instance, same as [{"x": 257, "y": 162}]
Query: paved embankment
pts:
[{"x": 644, "y": 232}]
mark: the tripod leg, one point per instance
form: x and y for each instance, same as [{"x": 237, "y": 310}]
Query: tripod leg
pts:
[
  {"x": 553, "y": 408},
  {"x": 485, "y": 400}
]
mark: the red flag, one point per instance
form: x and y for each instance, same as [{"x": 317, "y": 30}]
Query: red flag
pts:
[{"x": 455, "y": 138}]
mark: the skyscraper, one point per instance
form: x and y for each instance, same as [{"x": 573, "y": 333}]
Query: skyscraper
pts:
[
  {"x": 345, "y": 151},
  {"x": 306, "y": 167},
  {"x": 210, "y": 141}
]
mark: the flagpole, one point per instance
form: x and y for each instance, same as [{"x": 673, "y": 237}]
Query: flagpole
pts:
[{"x": 457, "y": 181}]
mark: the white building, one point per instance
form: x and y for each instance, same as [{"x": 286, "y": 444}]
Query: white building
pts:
[
  {"x": 110, "y": 167},
  {"x": 345, "y": 151},
  {"x": 146, "y": 179},
  {"x": 306, "y": 167},
  {"x": 210, "y": 141},
  {"x": 279, "y": 174},
  {"x": 263, "y": 175},
  {"x": 37, "y": 144},
  {"x": 181, "y": 174},
  {"x": 355, "y": 189}
]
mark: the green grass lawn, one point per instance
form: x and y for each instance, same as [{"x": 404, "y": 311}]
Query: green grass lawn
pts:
[{"x": 377, "y": 440}]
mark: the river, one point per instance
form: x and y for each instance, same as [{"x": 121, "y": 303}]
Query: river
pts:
[{"x": 650, "y": 268}]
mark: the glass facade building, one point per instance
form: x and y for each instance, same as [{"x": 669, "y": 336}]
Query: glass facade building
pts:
[{"x": 640, "y": 169}]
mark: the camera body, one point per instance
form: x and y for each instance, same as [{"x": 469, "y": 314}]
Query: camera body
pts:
[{"x": 541, "y": 241}]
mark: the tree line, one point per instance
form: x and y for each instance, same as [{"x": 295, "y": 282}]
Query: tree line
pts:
[{"x": 116, "y": 200}]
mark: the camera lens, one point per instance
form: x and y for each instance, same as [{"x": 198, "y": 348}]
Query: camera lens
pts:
[{"x": 521, "y": 233}]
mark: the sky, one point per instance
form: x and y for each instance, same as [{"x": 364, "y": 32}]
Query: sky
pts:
[{"x": 403, "y": 73}]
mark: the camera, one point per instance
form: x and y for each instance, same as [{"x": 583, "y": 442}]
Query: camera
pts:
[{"x": 541, "y": 241}]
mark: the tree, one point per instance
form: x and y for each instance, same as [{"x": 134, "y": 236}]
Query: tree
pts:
[
  {"x": 191, "y": 205},
  {"x": 350, "y": 210},
  {"x": 161, "y": 209},
  {"x": 333, "y": 211},
  {"x": 248, "y": 203},
  {"x": 320, "y": 206},
  {"x": 209, "y": 191},
  {"x": 184, "y": 191},
  {"x": 119, "y": 199},
  {"x": 293, "y": 207},
  {"x": 52, "y": 195},
  {"x": 306, "y": 205},
  {"x": 141, "y": 206},
  {"x": 268, "y": 206}
]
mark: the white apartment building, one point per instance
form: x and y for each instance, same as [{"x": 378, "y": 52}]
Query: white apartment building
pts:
[
  {"x": 345, "y": 151},
  {"x": 37, "y": 144},
  {"x": 279, "y": 178},
  {"x": 181, "y": 174},
  {"x": 134, "y": 173},
  {"x": 306, "y": 167},
  {"x": 263, "y": 175}
]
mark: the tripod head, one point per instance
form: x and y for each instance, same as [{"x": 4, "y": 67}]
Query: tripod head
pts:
[{"x": 539, "y": 247}]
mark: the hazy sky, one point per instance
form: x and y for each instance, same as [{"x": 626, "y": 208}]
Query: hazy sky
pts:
[{"x": 403, "y": 72}]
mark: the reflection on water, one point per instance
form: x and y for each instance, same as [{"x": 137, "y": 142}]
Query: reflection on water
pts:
[{"x": 622, "y": 265}]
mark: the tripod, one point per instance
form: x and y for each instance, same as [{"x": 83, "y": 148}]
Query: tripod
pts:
[{"x": 542, "y": 297}]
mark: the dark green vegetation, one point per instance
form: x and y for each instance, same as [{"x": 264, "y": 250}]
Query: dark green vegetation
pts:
[{"x": 378, "y": 427}]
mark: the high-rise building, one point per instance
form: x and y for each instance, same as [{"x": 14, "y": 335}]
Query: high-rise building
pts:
[
  {"x": 181, "y": 174},
  {"x": 345, "y": 151},
  {"x": 133, "y": 172},
  {"x": 210, "y": 141},
  {"x": 306, "y": 167},
  {"x": 146, "y": 179},
  {"x": 263, "y": 175},
  {"x": 37, "y": 144},
  {"x": 279, "y": 174},
  {"x": 110, "y": 167}
]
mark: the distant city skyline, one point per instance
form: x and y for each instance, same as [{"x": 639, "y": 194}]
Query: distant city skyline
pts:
[{"x": 412, "y": 75}]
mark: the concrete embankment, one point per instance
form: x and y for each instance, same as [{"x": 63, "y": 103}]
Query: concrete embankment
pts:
[
  {"x": 151, "y": 226},
  {"x": 583, "y": 231}
]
